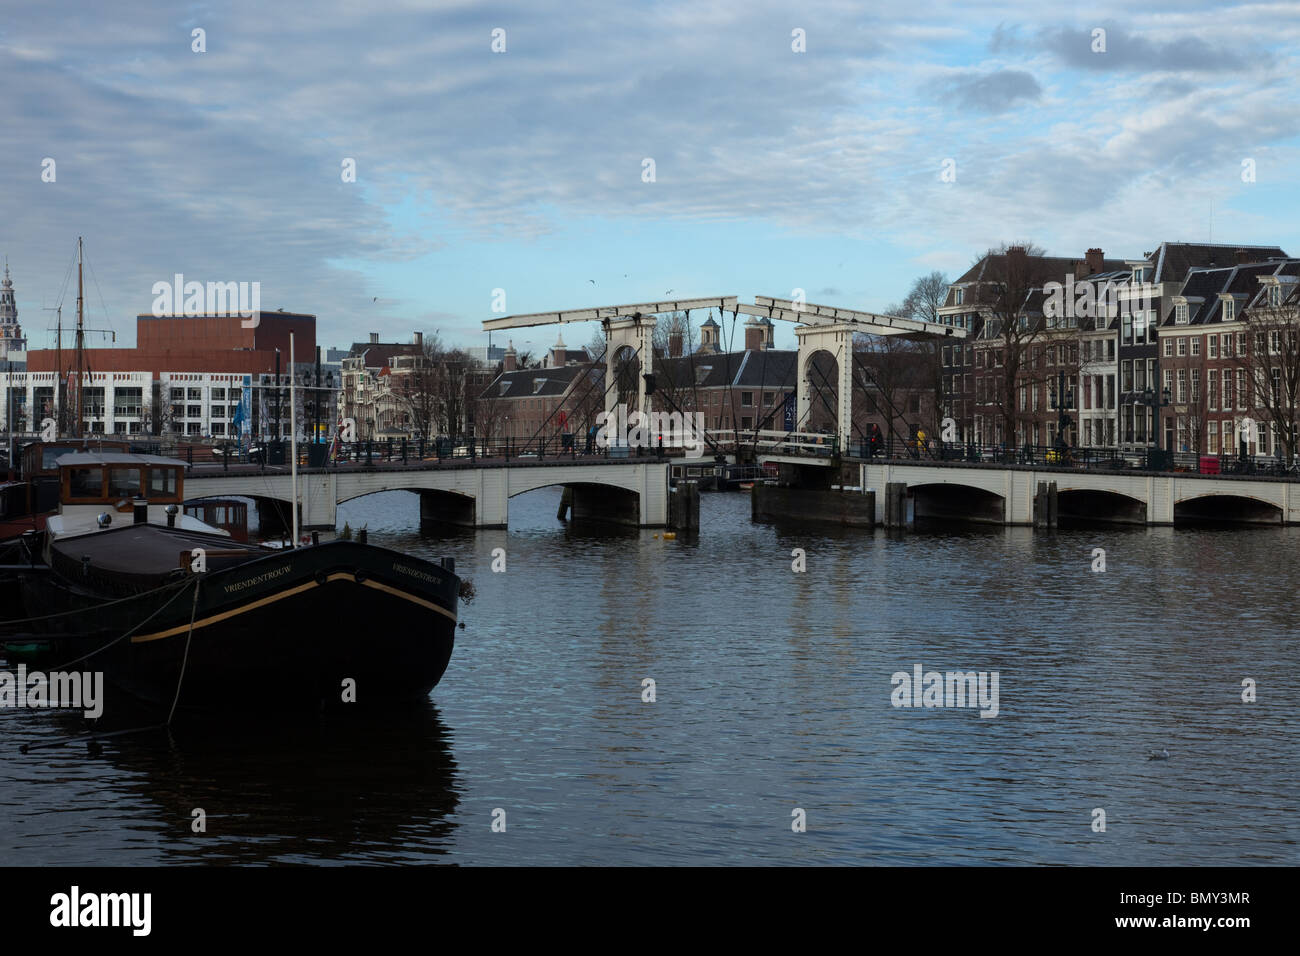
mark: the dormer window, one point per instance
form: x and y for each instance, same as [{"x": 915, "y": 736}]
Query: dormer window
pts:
[
  {"x": 1275, "y": 296},
  {"x": 538, "y": 385},
  {"x": 959, "y": 297},
  {"x": 505, "y": 387},
  {"x": 1229, "y": 310},
  {"x": 1180, "y": 313}
]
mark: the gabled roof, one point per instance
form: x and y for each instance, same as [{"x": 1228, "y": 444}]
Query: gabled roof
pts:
[
  {"x": 1051, "y": 268},
  {"x": 1173, "y": 260},
  {"x": 381, "y": 354},
  {"x": 535, "y": 382}
]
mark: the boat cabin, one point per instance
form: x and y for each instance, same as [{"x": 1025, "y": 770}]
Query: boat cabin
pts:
[
  {"x": 228, "y": 514},
  {"x": 96, "y": 487},
  {"x": 41, "y": 458}
]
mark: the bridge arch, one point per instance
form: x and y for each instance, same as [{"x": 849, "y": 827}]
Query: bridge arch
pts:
[
  {"x": 1099, "y": 506},
  {"x": 956, "y": 502},
  {"x": 1224, "y": 509}
]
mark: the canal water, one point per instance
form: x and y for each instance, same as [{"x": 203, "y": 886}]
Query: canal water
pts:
[{"x": 772, "y": 695}]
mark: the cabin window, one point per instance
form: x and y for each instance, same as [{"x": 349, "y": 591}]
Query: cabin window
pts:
[
  {"x": 162, "y": 482},
  {"x": 123, "y": 482},
  {"x": 87, "y": 483}
]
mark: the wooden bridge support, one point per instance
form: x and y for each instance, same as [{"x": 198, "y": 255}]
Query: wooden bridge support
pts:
[{"x": 684, "y": 506}]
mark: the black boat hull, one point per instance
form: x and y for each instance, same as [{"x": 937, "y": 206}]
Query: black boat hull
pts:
[{"x": 340, "y": 622}]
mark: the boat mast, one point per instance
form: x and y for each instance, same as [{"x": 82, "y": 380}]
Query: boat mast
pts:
[
  {"x": 76, "y": 403},
  {"x": 60, "y": 393},
  {"x": 293, "y": 440}
]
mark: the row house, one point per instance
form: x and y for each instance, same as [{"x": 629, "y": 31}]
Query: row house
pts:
[
  {"x": 1146, "y": 302},
  {"x": 1222, "y": 346},
  {"x": 974, "y": 373},
  {"x": 1106, "y": 345}
]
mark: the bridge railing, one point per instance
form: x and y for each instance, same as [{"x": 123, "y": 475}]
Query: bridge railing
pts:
[{"x": 813, "y": 444}]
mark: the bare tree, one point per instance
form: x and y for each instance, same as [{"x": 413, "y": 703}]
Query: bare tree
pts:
[
  {"x": 1272, "y": 363},
  {"x": 927, "y": 295},
  {"x": 1011, "y": 274}
]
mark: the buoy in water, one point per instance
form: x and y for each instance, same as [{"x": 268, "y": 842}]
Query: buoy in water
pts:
[{"x": 670, "y": 535}]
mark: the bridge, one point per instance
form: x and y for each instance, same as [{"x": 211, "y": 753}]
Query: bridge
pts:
[
  {"x": 1042, "y": 495},
  {"x": 475, "y": 494}
]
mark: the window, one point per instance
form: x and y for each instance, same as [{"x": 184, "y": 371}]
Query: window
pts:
[
  {"x": 218, "y": 411},
  {"x": 1126, "y": 372},
  {"x": 767, "y": 398},
  {"x": 123, "y": 482},
  {"x": 746, "y": 422},
  {"x": 1212, "y": 434},
  {"x": 747, "y": 399},
  {"x": 162, "y": 482},
  {"x": 1211, "y": 390},
  {"x": 126, "y": 402},
  {"x": 178, "y": 394},
  {"x": 1126, "y": 329},
  {"x": 194, "y": 394},
  {"x": 1226, "y": 342},
  {"x": 1196, "y": 345},
  {"x": 1169, "y": 347},
  {"x": 1229, "y": 309},
  {"x": 959, "y": 297},
  {"x": 1241, "y": 388},
  {"x": 1227, "y": 389},
  {"x": 1275, "y": 295},
  {"x": 1196, "y": 385},
  {"x": 1241, "y": 344},
  {"x": 1182, "y": 385},
  {"x": 1212, "y": 344},
  {"x": 194, "y": 411},
  {"x": 1182, "y": 345},
  {"x": 1180, "y": 313},
  {"x": 87, "y": 483}
]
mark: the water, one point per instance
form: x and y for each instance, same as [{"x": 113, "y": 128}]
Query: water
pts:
[{"x": 773, "y": 693}]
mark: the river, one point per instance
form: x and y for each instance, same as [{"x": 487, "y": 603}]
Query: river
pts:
[{"x": 772, "y": 695}]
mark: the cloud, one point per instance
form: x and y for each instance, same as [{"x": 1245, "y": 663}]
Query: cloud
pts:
[{"x": 991, "y": 92}]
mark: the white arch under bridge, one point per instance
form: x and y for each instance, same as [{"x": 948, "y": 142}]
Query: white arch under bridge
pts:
[{"x": 630, "y": 492}]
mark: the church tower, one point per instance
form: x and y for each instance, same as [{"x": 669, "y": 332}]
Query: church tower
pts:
[{"x": 12, "y": 344}]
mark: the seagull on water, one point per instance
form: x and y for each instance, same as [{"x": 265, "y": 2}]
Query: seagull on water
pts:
[{"x": 1158, "y": 755}]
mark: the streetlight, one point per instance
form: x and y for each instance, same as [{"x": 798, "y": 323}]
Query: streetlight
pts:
[
  {"x": 1157, "y": 400},
  {"x": 1061, "y": 400}
]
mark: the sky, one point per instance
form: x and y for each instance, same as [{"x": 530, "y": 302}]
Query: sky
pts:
[{"x": 839, "y": 148}]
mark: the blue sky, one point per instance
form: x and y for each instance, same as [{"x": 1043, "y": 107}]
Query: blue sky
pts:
[{"x": 522, "y": 170}]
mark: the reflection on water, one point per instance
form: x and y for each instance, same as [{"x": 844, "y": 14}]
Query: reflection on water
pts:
[{"x": 772, "y": 692}]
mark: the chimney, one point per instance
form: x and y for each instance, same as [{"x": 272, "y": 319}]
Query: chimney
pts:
[
  {"x": 1096, "y": 261},
  {"x": 559, "y": 352},
  {"x": 1244, "y": 256},
  {"x": 675, "y": 343},
  {"x": 1017, "y": 256},
  {"x": 510, "y": 361},
  {"x": 374, "y": 338},
  {"x": 419, "y": 340},
  {"x": 753, "y": 335}
]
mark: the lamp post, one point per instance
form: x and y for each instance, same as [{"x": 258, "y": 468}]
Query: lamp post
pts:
[
  {"x": 1156, "y": 401},
  {"x": 1062, "y": 402}
]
